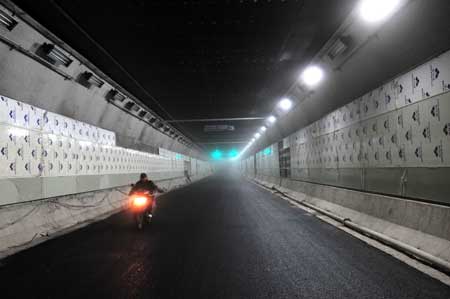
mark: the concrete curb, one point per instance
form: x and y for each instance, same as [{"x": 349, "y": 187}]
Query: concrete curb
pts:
[{"x": 405, "y": 248}]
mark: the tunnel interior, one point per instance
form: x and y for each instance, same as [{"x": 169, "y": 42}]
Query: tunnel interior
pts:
[{"x": 248, "y": 117}]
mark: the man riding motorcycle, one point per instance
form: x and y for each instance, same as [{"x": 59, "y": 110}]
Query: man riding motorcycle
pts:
[
  {"x": 144, "y": 184},
  {"x": 146, "y": 188}
]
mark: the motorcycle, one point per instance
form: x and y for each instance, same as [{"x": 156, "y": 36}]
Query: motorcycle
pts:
[{"x": 141, "y": 205}]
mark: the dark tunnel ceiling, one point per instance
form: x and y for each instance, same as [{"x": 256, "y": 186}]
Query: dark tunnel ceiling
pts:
[{"x": 199, "y": 59}]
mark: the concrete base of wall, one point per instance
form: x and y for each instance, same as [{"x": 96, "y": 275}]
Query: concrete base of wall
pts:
[
  {"x": 27, "y": 224},
  {"x": 421, "y": 226}
]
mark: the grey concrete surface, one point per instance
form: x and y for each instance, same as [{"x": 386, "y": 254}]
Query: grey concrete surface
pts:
[{"x": 217, "y": 238}]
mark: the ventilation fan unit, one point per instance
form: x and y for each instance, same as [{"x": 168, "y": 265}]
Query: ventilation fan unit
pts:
[
  {"x": 92, "y": 80},
  {"x": 7, "y": 21},
  {"x": 337, "y": 48},
  {"x": 142, "y": 113},
  {"x": 130, "y": 105},
  {"x": 55, "y": 55},
  {"x": 116, "y": 96}
]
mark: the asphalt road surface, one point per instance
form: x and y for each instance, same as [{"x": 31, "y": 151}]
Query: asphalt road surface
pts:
[{"x": 221, "y": 237}]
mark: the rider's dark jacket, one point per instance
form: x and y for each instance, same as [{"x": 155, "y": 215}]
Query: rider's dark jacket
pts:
[{"x": 145, "y": 186}]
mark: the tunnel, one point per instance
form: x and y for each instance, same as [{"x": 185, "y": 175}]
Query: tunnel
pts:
[{"x": 225, "y": 149}]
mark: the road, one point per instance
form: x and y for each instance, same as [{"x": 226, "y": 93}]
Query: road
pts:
[{"x": 221, "y": 237}]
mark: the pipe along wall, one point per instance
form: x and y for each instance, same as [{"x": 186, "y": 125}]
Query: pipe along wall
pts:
[{"x": 382, "y": 161}]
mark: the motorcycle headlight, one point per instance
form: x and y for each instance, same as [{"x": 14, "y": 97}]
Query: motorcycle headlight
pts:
[{"x": 139, "y": 201}]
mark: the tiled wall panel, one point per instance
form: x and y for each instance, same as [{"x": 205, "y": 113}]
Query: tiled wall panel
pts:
[
  {"x": 404, "y": 123},
  {"x": 34, "y": 142}
]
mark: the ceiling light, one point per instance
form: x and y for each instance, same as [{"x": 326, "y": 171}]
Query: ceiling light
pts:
[
  {"x": 285, "y": 104},
  {"x": 263, "y": 129},
  {"x": 257, "y": 135},
  {"x": 271, "y": 119},
  {"x": 312, "y": 75},
  {"x": 377, "y": 10}
]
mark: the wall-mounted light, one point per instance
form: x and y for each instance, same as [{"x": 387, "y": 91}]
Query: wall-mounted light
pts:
[
  {"x": 377, "y": 10},
  {"x": 56, "y": 55},
  {"x": 285, "y": 104},
  {"x": 7, "y": 21},
  {"x": 312, "y": 75}
]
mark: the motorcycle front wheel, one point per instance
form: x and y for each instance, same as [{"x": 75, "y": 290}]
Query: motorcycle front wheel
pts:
[{"x": 140, "y": 220}]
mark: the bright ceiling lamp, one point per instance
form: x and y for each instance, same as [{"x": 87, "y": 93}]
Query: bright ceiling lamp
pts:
[
  {"x": 257, "y": 135},
  {"x": 285, "y": 104},
  {"x": 271, "y": 119},
  {"x": 377, "y": 10},
  {"x": 263, "y": 129},
  {"x": 312, "y": 75}
]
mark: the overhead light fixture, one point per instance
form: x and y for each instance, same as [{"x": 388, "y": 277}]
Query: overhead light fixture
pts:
[
  {"x": 257, "y": 135},
  {"x": 7, "y": 21},
  {"x": 377, "y": 10},
  {"x": 285, "y": 104},
  {"x": 263, "y": 129},
  {"x": 312, "y": 75},
  {"x": 56, "y": 55},
  {"x": 271, "y": 119}
]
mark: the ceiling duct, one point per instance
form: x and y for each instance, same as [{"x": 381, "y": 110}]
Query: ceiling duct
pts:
[{"x": 7, "y": 21}]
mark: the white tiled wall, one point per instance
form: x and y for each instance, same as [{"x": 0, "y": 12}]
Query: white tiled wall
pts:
[
  {"x": 34, "y": 142},
  {"x": 404, "y": 123}
]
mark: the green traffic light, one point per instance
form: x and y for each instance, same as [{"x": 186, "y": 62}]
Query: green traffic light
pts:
[
  {"x": 267, "y": 151},
  {"x": 233, "y": 153},
  {"x": 216, "y": 154}
]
